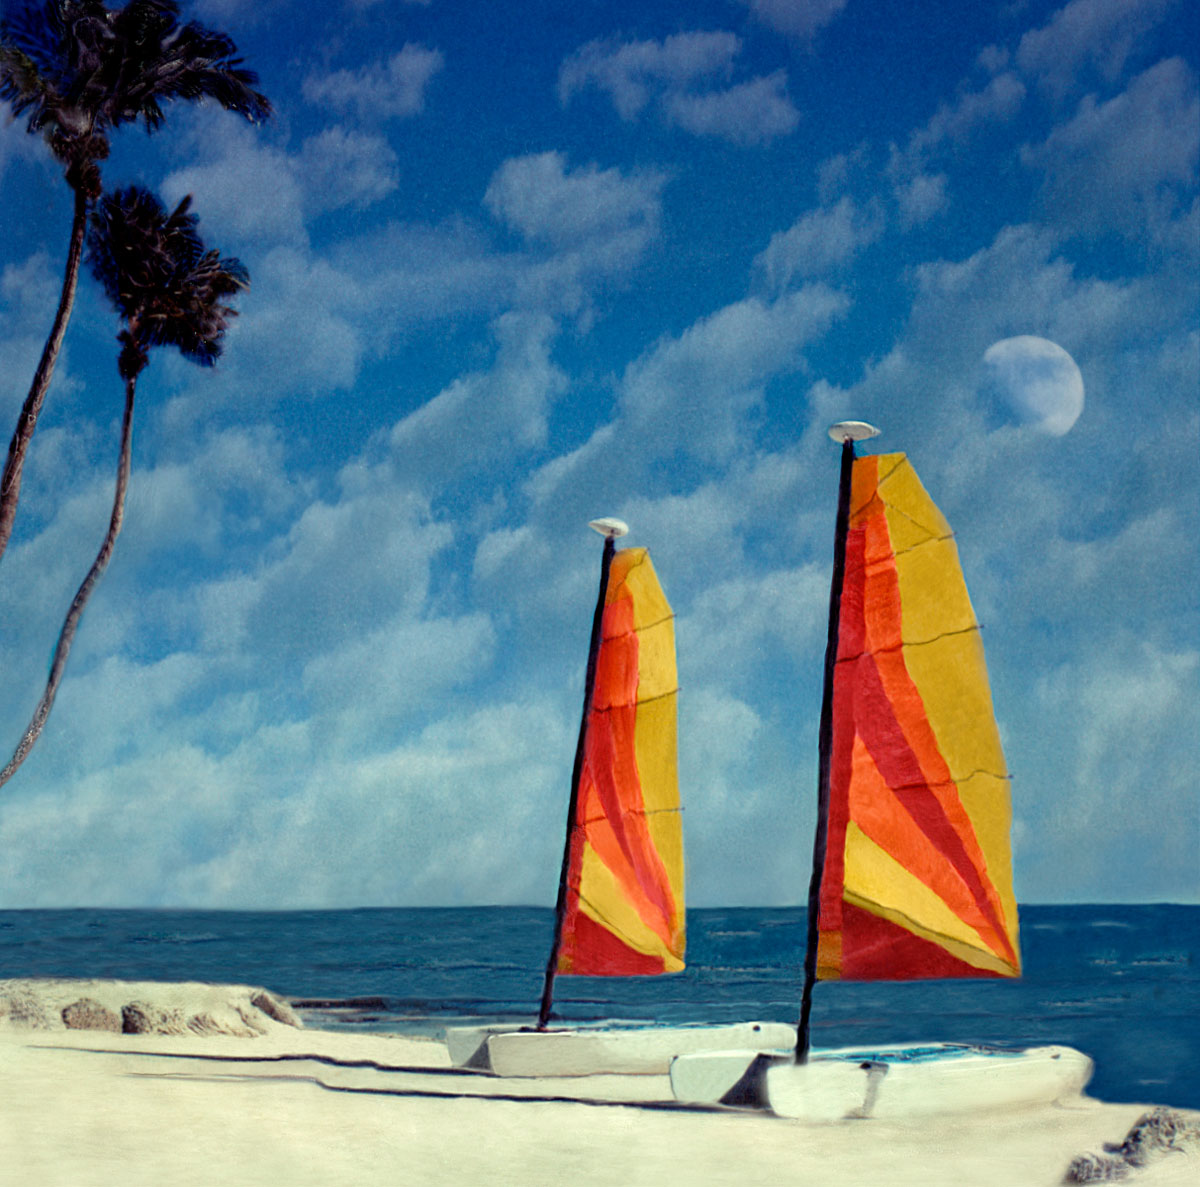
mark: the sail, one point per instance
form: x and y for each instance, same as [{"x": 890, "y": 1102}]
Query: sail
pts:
[
  {"x": 624, "y": 909},
  {"x": 917, "y": 880}
]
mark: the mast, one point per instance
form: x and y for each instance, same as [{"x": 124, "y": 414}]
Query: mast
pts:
[
  {"x": 611, "y": 530},
  {"x": 846, "y": 433}
]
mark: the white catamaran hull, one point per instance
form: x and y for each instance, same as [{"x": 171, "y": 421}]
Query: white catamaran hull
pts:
[
  {"x": 891, "y": 1083},
  {"x": 587, "y": 1051}
]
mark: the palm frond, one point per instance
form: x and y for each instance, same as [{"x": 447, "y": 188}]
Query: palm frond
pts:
[
  {"x": 168, "y": 288},
  {"x": 76, "y": 70}
]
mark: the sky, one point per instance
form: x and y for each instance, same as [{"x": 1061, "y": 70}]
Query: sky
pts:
[{"x": 517, "y": 266}]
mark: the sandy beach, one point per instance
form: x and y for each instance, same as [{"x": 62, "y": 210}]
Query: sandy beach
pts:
[{"x": 298, "y": 1106}]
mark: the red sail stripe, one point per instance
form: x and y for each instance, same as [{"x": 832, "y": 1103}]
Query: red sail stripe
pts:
[
  {"x": 876, "y": 949},
  {"x": 610, "y": 810},
  {"x": 920, "y": 769},
  {"x": 884, "y": 609},
  {"x": 887, "y": 743},
  {"x": 591, "y": 950},
  {"x": 862, "y": 704}
]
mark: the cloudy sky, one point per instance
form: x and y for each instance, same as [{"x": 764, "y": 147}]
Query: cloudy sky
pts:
[{"x": 515, "y": 266}]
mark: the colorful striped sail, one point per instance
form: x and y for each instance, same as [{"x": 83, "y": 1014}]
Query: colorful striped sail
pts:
[
  {"x": 624, "y": 906},
  {"x": 917, "y": 879}
]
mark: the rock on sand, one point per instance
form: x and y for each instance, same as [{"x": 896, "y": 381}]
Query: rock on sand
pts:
[{"x": 142, "y": 1007}]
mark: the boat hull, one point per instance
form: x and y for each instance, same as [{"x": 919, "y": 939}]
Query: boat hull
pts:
[
  {"x": 893, "y": 1083},
  {"x": 592, "y": 1051}
]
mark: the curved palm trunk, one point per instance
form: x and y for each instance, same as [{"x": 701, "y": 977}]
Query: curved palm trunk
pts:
[
  {"x": 71, "y": 622},
  {"x": 10, "y": 482}
]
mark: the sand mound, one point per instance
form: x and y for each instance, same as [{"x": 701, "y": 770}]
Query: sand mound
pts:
[{"x": 142, "y": 1007}]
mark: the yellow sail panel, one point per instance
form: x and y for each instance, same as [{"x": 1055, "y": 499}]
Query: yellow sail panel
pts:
[
  {"x": 624, "y": 911},
  {"x": 917, "y": 879}
]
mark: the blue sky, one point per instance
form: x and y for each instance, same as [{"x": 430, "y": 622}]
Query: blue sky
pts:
[{"x": 517, "y": 266}]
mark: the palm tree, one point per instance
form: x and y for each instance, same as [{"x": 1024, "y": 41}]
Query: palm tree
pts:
[
  {"x": 77, "y": 70},
  {"x": 169, "y": 291}
]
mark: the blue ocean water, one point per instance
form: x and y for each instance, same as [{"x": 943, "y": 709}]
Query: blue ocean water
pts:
[{"x": 1119, "y": 982}]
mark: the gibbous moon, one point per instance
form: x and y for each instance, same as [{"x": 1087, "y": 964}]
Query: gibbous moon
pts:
[{"x": 1037, "y": 381}]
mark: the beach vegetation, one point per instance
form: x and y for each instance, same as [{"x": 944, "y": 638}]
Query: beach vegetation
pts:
[
  {"x": 169, "y": 290},
  {"x": 76, "y": 70}
]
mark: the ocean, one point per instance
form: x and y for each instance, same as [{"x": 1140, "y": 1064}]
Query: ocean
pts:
[{"x": 1120, "y": 982}]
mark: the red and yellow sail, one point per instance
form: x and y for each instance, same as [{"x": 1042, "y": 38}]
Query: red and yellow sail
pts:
[
  {"x": 624, "y": 908},
  {"x": 917, "y": 879}
]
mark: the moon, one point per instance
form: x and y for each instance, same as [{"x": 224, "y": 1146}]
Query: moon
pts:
[{"x": 1037, "y": 381}]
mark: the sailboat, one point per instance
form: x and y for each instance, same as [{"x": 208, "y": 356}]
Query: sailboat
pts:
[
  {"x": 620, "y": 904},
  {"x": 912, "y": 869}
]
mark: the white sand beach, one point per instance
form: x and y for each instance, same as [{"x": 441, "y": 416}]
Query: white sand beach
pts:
[{"x": 279, "y": 1105}]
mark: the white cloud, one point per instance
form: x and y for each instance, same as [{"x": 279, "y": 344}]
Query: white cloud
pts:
[
  {"x": 241, "y": 184},
  {"x": 387, "y": 90},
  {"x": 743, "y": 624},
  {"x": 819, "y": 242},
  {"x": 744, "y": 842},
  {"x": 301, "y": 337},
  {"x": 341, "y": 568},
  {"x": 372, "y": 681},
  {"x": 280, "y": 822},
  {"x": 695, "y": 392},
  {"x": 797, "y": 18},
  {"x": 1128, "y": 721},
  {"x": 919, "y": 187},
  {"x": 252, "y": 190},
  {"x": 547, "y": 202},
  {"x": 580, "y": 229},
  {"x": 1099, "y": 35},
  {"x": 503, "y": 547},
  {"x": 633, "y": 73},
  {"x": 753, "y": 112},
  {"x": 342, "y": 167},
  {"x": 1037, "y": 380},
  {"x": 29, "y": 293},
  {"x": 1133, "y": 157},
  {"x": 682, "y": 76},
  {"x": 16, "y": 144},
  {"x": 922, "y": 197},
  {"x": 484, "y": 417},
  {"x": 953, "y": 123}
]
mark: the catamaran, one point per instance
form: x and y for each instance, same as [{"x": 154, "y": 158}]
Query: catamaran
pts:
[
  {"x": 912, "y": 869},
  {"x": 620, "y": 905}
]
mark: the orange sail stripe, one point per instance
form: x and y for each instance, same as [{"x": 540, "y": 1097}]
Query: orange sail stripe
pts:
[
  {"x": 622, "y": 913},
  {"x": 882, "y": 605},
  {"x": 884, "y": 817},
  {"x": 890, "y": 780},
  {"x": 887, "y": 742}
]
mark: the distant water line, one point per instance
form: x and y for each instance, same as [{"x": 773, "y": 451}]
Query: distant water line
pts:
[{"x": 1119, "y": 982}]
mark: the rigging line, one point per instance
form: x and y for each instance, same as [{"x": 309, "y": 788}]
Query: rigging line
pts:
[
  {"x": 910, "y": 518},
  {"x": 642, "y": 701},
  {"x": 961, "y": 779},
  {"x": 921, "y": 544},
  {"x": 953, "y": 781},
  {"x": 966, "y": 630},
  {"x": 882, "y": 479},
  {"x": 629, "y": 812},
  {"x": 657, "y": 622}
]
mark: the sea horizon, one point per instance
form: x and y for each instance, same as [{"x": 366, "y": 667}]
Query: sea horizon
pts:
[{"x": 1116, "y": 980}]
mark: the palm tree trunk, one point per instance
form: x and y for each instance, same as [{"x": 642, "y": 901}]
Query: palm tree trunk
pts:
[
  {"x": 10, "y": 482},
  {"x": 71, "y": 622}
]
